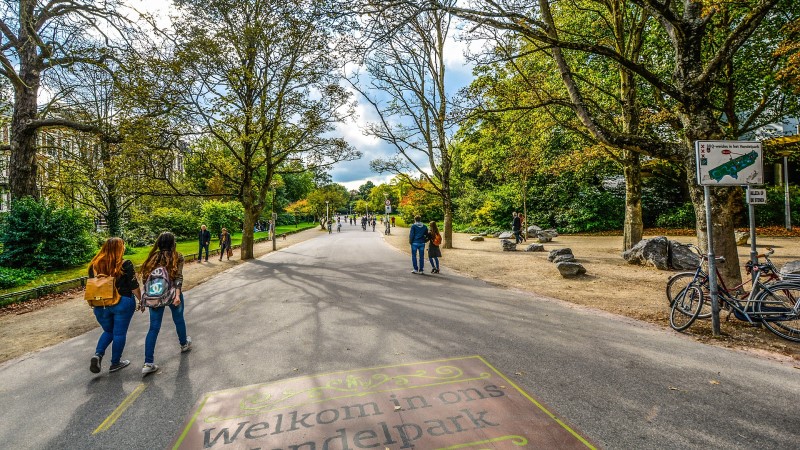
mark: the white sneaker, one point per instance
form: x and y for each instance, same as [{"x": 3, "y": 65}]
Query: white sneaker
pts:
[
  {"x": 149, "y": 368},
  {"x": 187, "y": 346}
]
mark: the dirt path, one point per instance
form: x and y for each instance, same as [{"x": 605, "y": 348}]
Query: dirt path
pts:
[
  {"x": 611, "y": 284},
  {"x": 41, "y": 323}
]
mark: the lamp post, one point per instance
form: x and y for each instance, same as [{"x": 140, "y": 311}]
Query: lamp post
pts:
[
  {"x": 386, "y": 216},
  {"x": 787, "y": 207},
  {"x": 327, "y": 214}
]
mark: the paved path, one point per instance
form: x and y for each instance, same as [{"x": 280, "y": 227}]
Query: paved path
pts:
[{"x": 348, "y": 301}]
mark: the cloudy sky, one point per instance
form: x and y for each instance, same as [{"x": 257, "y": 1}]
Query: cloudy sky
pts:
[{"x": 353, "y": 174}]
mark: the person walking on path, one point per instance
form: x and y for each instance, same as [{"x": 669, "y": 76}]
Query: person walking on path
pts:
[
  {"x": 204, "y": 239},
  {"x": 225, "y": 244},
  {"x": 434, "y": 241},
  {"x": 417, "y": 237},
  {"x": 523, "y": 228},
  {"x": 164, "y": 254},
  {"x": 516, "y": 225},
  {"x": 114, "y": 320},
  {"x": 392, "y": 221}
]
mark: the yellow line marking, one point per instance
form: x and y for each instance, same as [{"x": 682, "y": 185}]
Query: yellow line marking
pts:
[
  {"x": 539, "y": 405},
  {"x": 121, "y": 409}
]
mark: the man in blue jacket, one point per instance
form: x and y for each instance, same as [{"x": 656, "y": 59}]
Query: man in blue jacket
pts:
[{"x": 417, "y": 237}]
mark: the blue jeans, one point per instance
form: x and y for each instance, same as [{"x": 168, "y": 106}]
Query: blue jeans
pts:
[
  {"x": 418, "y": 249},
  {"x": 434, "y": 262},
  {"x": 114, "y": 320},
  {"x": 200, "y": 255},
  {"x": 156, "y": 314}
]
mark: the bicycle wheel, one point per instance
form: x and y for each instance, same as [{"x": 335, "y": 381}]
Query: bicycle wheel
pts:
[
  {"x": 777, "y": 309},
  {"x": 678, "y": 282},
  {"x": 687, "y": 306}
]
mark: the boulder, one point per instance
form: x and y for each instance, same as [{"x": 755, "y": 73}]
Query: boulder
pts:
[
  {"x": 508, "y": 246},
  {"x": 535, "y": 248},
  {"x": 549, "y": 232},
  {"x": 570, "y": 269},
  {"x": 506, "y": 235},
  {"x": 497, "y": 235},
  {"x": 544, "y": 239},
  {"x": 741, "y": 237},
  {"x": 484, "y": 234},
  {"x": 650, "y": 252},
  {"x": 557, "y": 252},
  {"x": 682, "y": 257},
  {"x": 791, "y": 268},
  {"x": 476, "y": 238},
  {"x": 569, "y": 257},
  {"x": 533, "y": 231}
]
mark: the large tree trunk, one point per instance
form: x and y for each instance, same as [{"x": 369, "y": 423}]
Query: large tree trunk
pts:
[
  {"x": 448, "y": 223},
  {"x": 634, "y": 226},
  {"x": 22, "y": 170},
  {"x": 251, "y": 215},
  {"x": 113, "y": 213},
  {"x": 725, "y": 201}
]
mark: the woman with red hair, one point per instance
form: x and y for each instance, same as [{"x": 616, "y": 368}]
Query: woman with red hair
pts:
[{"x": 114, "y": 319}]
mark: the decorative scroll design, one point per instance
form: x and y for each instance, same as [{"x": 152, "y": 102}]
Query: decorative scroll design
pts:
[
  {"x": 517, "y": 440},
  {"x": 349, "y": 386}
]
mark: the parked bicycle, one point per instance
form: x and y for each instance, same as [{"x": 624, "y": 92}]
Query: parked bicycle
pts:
[
  {"x": 774, "y": 302},
  {"x": 679, "y": 281}
]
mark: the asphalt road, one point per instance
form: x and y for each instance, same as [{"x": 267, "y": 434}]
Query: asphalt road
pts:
[{"x": 348, "y": 301}]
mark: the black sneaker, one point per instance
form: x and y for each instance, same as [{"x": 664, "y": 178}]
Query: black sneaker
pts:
[
  {"x": 94, "y": 366},
  {"x": 120, "y": 365}
]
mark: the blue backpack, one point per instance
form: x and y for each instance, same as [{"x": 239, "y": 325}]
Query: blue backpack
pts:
[{"x": 158, "y": 289}]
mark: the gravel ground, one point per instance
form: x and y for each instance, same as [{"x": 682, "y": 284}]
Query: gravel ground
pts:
[{"x": 610, "y": 284}]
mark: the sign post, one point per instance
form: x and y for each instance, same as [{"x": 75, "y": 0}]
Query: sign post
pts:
[{"x": 726, "y": 163}]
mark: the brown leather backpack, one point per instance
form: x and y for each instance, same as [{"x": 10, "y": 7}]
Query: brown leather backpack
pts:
[{"x": 101, "y": 291}]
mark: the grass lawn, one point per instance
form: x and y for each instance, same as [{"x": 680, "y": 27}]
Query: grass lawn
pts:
[{"x": 187, "y": 247}]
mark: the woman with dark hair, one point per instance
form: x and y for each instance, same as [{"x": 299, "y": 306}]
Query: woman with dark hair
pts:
[
  {"x": 434, "y": 241},
  {"x": 114, "y": 319},
  {"x": 163, "y": 254}
]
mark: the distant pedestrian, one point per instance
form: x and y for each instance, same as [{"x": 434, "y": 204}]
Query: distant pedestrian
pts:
[
  {"x": 164, "y": 256},
  {"x": 516, "y": 225},
  {"x": 434, "y": 241},
  {"x": 225, "y": 244},
  {"x": 114, "y": 319},
  {"x": 524, "y": 229},
  {"x": 392, "y": 220},
  {"x": 204, "y": 239},
  {"x": 417, "y": 237}
]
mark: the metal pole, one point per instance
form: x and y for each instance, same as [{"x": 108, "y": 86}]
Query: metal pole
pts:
[
  {"x": 786, "y": 205},
  {"x": 273, "y": 223},
  {"x": 751, "y": 211},
  {"x": 712, "y": 265}
]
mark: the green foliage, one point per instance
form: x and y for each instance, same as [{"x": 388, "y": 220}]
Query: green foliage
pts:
[
  {"x": 422, "y": 203},
  {"x": 335, "y": 195},
  {"x": 773, "y": 213},
  {"x": 175, "y": 220},
  {"x": 593, "y": 210},
  {"x": 139, "y": 236},
  {"x": 10, "y": 277},
  {"x": 681, "y": 217},
  {"x": 37, "y": 234},
  {"x": 217, "y": 215}
]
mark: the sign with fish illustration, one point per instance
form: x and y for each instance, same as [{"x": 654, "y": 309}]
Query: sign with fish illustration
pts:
[{"x": 729, "y": 163}]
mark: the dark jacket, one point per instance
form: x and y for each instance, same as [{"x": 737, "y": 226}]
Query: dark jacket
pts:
[
  {"x": 204, "y": 237},
  {"x": 126, "y": 282},
  {"x": 433, "y": 249},
  {"x": 225, "y": 240},
  {"x": 418, "y": 233},
  {"x": 517, "y": 224}
]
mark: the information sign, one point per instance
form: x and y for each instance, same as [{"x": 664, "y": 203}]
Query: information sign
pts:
[
  {"x": 756, "y": 196},
  {"x": 388, "y": 209},
  {"x": 729, "y": 163}
]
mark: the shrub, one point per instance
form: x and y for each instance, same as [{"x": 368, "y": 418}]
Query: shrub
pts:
[
  {"x": 182, "y": 224},
  {"x": 680, "y": 217},
  {"x": 217, "y": 215},
  {"x": 593, "y": 210},
  {"x": 774, "y": 213},
  {"x": 37, "y": 234},
  {"x": 139, "y": 236},
  {"x": 10, "y": 277}
]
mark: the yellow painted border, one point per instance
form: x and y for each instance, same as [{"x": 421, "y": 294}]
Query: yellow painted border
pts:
[
  {"x": 120, "y": 409},
  {"x": 538, "y": 405},
  {"x": 500, "y": 374}
]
